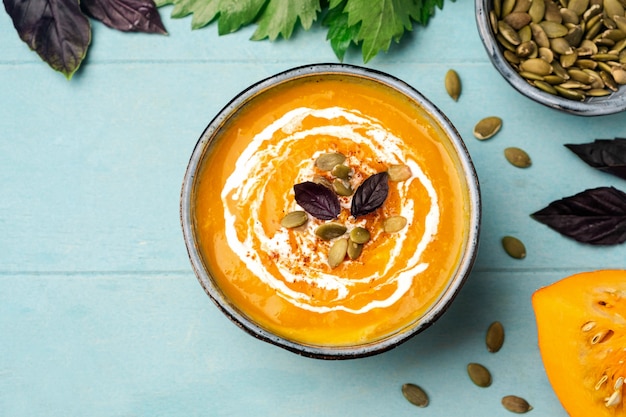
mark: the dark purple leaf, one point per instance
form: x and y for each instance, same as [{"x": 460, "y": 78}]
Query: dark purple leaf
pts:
[
  {"x": 56, "y": 29},
  {"x": 317, "y": 200},
  {"x": 608, "y": 155},
  {"x": 370, "y": 195},
  {"x": 596, "y": 216},
  {"x": 126, "y": 15}
]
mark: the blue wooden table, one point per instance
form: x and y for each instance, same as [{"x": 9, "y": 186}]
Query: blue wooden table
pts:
[{"x": 100, "y": 312}]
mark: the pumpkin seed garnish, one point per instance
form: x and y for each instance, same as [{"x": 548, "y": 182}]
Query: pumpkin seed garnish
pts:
[
  {"x": 495, "y": 337},
  {"x": 516, "y": 404},
  {"x": 479, "y": 375},
  {"x": 514, "y": 247},
  {"x": 453, "y": 84},
  {"x": 399, "y": 173},
  {"x": 341, "y": 171},
  {"x": 329, "y": 231},
  {"x": 354, "y": 249},
  {"x": 487, "y": 127},
  {"x": 327, "y": 161},
  {"x": 342, "y": 188},
  {"x": 294, "y": 219},
  {"x": 517, "y": 157},
  {"x": 394, "y": 224},
  {"x": 359, "y": 235},
  {"x": 415, "y": 395},
  {"x": 337, "y": 252}
]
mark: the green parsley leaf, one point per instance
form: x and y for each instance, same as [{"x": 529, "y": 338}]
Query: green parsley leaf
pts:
[{"x": 281, "y": 16}]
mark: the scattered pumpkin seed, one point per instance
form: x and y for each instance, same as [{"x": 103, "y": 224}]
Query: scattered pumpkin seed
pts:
[
  {"x": 516, "y": 404},
  {"x": 453, "y": 84},
  {"x": 487, "y": 127},
  {"x": 517, "y": 157},
  {"x": 359, "y": 235},
  {"x": 337, "y": 252},
  {"x": 394, "y": 224},
  {"x": 415, "y": 395},
  {"x": 479, "y": 375},
  {"x": 341, "y": 171},
  {"x": 495, "y": 337},
  {"x": 399, "y": 172},
  {"x": 329, "y": 231},
  {"x": 294, "y": 219},
  {"x": 514, "y": 247},
  {"x": 342, "y": 188},
  {"x": 327, "y": 161},
  {"x": 354, "y": 249}
]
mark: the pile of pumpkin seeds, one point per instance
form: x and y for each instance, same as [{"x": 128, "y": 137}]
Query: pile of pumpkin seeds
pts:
[
  {"x": 572, "y": 48},
  {"x": 336, "y": 175}
]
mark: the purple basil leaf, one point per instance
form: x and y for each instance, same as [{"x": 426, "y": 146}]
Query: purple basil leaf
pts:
[
  {"x": 126, "y": 15},
  {"x": 596, "y": 216},
  {"x": 608, "y": 155},
  {"x": 317, "y": 200},
  {"x": 56, "y": 29},
  {"x": 370, "y": 195}
]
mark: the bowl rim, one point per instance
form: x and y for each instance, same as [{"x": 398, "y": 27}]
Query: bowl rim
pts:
[
  {"x": 316, "y": 351},
  {"x": 594, "y": 106}
]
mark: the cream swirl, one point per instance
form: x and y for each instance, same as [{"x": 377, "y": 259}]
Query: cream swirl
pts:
[{"x": 248, "y": 184}]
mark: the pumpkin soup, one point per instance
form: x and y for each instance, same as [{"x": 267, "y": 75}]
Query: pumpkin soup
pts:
[{"x": 382, "y": 266}]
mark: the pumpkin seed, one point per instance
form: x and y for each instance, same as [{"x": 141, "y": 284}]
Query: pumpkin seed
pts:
[
  {"x": 578, "y": 6},
  {"x": 354, "y": 250},
  {"x": 294, "y": 219},
  {"x": 553, "y": 29},
  {"x": 342, "y": 188},
  {"x": 394, "y": 224},
  {"x": 613, "y": 8},
  {"x": 495, "y": 337},
  {"x": 327, "y": 161},
  {"x": 488, "y": 126},
  {"x": 415, "y": 395},
  {"x": 514, "y": 247},
  {"x": 479, "y": 375},
  {"x": 337, "y": 252},
  {"x": 569, "y": 16},
  {"x": 537, "y": 10},
  {"x": 516, "y": 404},
  {"x": 537, "y": 66},
  {"x": 329, "y": 231},
  {"x": 341, "y": 171},
  {"x": 508, "y": 33},
  {"x": 453, "y": 84},
  {"x": 546, "y": 87},
  {"x": 399, "y": 172},
  {"x": 570, "y": 93},
  {"x": 517, "y": 157},
  {"x": 518, "y": 20},
  {"x": 619, "y": 75},
  {"x": 318, "y": 179},
  {"x": 360, "y": 235}
]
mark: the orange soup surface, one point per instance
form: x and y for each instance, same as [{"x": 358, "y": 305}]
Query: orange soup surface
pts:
[{"x": 280, "y": 277}]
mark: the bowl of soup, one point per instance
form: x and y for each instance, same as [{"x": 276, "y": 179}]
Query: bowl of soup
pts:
[{"x": 331, "y": 210}]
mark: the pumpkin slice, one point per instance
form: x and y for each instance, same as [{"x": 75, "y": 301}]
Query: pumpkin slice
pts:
[{"x": 581, "y": 324}]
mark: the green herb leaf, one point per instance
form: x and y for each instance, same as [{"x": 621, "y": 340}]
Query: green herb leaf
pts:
[
  {"x": 280, "y": 17},
  {"x": 370, "y": 195},
  {"x": 340, "y": 34},
  {"x": 56, "y": 29},
  {"x": 126, "y": 15},
  {"x": 381, "y": 22}
]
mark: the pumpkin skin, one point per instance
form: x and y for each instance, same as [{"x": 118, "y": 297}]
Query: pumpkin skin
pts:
[{"x": 581, "y": 325}]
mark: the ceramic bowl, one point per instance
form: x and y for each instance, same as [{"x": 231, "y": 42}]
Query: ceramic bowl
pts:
[
  {"x": 592, "y": 106},
  {"x": 230, "y": 308}
]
